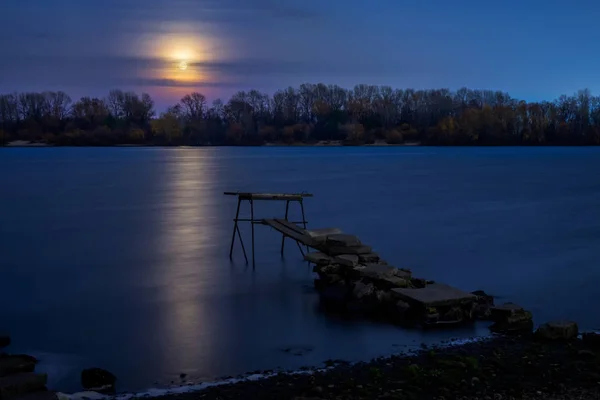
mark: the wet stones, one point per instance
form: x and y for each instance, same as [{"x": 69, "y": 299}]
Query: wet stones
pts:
[
  {"x": 377, "y": 271},
  {"x": 558, "y": 330},
  {"x": 482, "y": 305},
  {"x": 510, "y": 318}
]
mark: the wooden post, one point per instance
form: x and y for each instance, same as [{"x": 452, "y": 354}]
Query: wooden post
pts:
[
  {"x": 287, "y": 207},
  {"x": 235, "y": 227}
]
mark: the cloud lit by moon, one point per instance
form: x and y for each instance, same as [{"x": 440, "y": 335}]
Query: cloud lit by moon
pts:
[{"x": 87, "y": 48}]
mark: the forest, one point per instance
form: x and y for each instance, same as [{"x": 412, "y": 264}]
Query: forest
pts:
[{"x": 309, "y": 114}]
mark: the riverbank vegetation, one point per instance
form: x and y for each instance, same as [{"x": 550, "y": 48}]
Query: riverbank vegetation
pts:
[{"x": 309, "y": 114}]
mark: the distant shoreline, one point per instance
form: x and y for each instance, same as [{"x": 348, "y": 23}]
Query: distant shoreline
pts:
[
  {"x": 337, "y": 143},
  {"x": 331, "y": 143}
]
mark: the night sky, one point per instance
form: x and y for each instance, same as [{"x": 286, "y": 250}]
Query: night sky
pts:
[{"x": 533, "y": 49}]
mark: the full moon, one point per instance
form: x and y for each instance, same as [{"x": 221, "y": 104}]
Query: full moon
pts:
[{"x": 182, "y": 65}]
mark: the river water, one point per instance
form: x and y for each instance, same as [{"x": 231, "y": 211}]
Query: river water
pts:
[{"x": 118, "y": 257}]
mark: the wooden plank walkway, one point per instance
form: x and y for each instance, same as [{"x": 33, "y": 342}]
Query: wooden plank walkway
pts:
[{"x": 291, "y": 230}]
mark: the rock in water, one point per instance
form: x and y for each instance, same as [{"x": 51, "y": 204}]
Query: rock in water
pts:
[
  {"x": 97, "y": 379},
  {"x": 511, "y": 318},
  {"x": 4, "y": 340},
  {"x": 14, "y": 364},
  {"x": 558, "y": 330}
]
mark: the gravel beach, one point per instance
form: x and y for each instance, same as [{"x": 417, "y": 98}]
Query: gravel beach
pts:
[{"x": 500, "y": 368}]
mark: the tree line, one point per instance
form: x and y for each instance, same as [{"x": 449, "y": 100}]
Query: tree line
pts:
[{"x": 307, "y": 114}]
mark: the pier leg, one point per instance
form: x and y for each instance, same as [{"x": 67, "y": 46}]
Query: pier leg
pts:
[
  {"x": 300, "y": 248},
  {"x": 242, "y": 243},
  {"x": 303, "y": 218},
  {"x": 287, "y": 208},
  {"x": 252, "y": 223},
  {"x": 235, "y": 228}
]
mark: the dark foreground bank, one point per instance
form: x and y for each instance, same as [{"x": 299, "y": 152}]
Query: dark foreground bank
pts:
[{"x": 501, "y": 368}]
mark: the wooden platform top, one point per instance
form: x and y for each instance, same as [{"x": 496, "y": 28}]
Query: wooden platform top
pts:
[{"x": 268, "y": 196}]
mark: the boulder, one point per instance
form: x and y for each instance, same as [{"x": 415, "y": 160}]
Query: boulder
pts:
[
  {"x": 14, "y": 364},
  {"x": 343, "y": 240},
  {"x": 502, "y": 312},
  {"x": 558, "y": 330},
  {"x": 4, "y": 340},
  {"x": 347, "y": 260},
  {"x": 97, "y": 379},
  {"x": 21, "y": 384},
  {"x": 518, "y": 322}
]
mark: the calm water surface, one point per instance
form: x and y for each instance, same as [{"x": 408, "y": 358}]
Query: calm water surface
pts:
[{"x": 118, "y": 258}]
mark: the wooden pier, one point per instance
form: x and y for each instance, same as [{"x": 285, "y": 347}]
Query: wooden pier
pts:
[
  {"x": 286, "y": 228},
  {"x": 353, "y": 276}
]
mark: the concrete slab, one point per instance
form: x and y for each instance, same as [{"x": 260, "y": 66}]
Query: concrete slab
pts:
[
  {"x": 339, "y": 250},
  {"x": 434, "y": 295},
  {"x": 320, "y": 235},
  {"x": 343, "y": 240}
]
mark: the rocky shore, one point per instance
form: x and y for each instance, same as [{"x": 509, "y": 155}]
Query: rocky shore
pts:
[{"x": 529, "y": 366}]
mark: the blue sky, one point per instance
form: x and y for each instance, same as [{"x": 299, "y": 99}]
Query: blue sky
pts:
[{"x": 531, "y": 48}]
